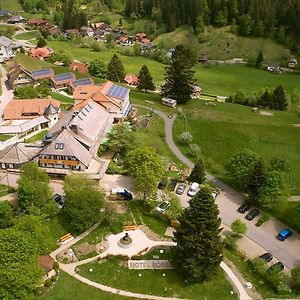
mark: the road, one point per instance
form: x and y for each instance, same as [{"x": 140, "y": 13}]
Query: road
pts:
[
  {"x": 288, "y": 252},
  {"x": 7, "y": 94}
]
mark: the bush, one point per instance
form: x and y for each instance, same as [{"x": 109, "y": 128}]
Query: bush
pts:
[
  {"x": 195, "y": 150},
  {"x": 264, "y": 218},
  {"x": 238, "y": 227},
  {"x": 186, "y": 137},
  {"x": 229, "y": 242},
  {"x": 296, "y": 277},
  {"x": 48, "y": 282},
  {"x": 56, "y": 266},
  {"x": 54, "y": 278}
]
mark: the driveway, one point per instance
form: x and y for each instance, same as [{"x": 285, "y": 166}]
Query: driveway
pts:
[
  {"x": 109, "y": 182},
  {"x": 288, "y": 252},
  {"x": 6, "y": 95}
]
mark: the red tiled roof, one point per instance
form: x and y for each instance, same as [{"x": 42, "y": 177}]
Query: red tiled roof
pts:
[{"x": 80, "y": 67}]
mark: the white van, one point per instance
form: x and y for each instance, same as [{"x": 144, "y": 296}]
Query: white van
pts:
[{"x": 193, "y": 189}]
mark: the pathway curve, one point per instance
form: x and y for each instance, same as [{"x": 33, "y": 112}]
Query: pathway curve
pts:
[{"x": 229, "y": 201}]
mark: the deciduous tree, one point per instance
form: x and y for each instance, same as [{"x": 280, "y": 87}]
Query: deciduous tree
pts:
[
  {"x": 198, "y": 253},
  {"x": 6, "y": 214},
  {"x": 97, "y": 68},
  {"x": 238, "y": 227}
]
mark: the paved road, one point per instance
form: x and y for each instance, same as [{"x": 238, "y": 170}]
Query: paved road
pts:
[
  {"x": 6, "y": 95},
  {"x": 287, "y": 252}
]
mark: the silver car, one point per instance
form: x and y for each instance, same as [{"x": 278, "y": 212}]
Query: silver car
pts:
[{"x": 180, "y": 188}]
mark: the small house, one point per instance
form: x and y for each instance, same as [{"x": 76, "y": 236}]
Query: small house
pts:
[
  {"x": 16, "y": 19},
  {"x": 37, "y": 22},
  {"x": 40, "y": 53},
  {"x": 170, "y": 52},
  {"x": 292, "y": 63},
  {"x": 87, "y": 31},
  {"x": 131, "y": 79},
  {"x": 4, "y": 13},
  {"x": 19, "y": 76},
  {"x": 169, "y": 102},
  {"x": 274, "y": 68},
  {"x": 62, "y": 80},
  {"x": 196, "y": 92},
  {"x": 202, "y": 58},
  {"x": 55, "y": 31},
  {"x": 42, "y": 74},
  {"x": 79, "y": 67},
  {"x": 6, "y": 48},
  {"x": 72, "y": 32},
  {"x": 46, "y": 262},
  {"x": 81, "y": 82},
  {"x": 140, "y": 36}
]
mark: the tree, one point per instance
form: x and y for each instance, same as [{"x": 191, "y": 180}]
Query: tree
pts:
[
  {"x": 275, "y": 190},
  {"x": 280, "y": 98},
  {"x": 19, "y": 272},
  {"x": 198, "y": 253},
  {"x": 84, "y": 201},
  {"x": 256, "y": 179},
  {"x": 195, "y": 150},
  {"x": 25, "y": 92},
  {"x": 41, "y": 42},
  {"x": 238, "y": 227},
  {"x": 296, "y": 276},
  {"x": 34, "y": 193},
  {"x": 240, "y": 167},
  {"x": 266, "y": 100},
  {"x": 145, "y": 80},
  {"x": 186, "y": 137},
  {"x": 97, "y": 68},
  {"x": 6, "y": 214},
  {"x": 198, "y": 172},
  {"x": 179, "y": 80},
  {"x": 115, "y": 69},
  {"x": 147, "y": 169},
  {"x": 61, "y": 57},
  {"x": 259, "y": 60},
  {"x": 280, "y": 164}
]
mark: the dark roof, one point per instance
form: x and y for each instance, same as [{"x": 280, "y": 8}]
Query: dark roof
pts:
[
  {"x": 43, "y": 73},
  {"x": 65, "y": 77},
  {"x": 50, "y": 109},
  {"x": 14, "y": 73},
  {"x": 4, "y": 13},
  {"x": 46, "y": 263},
  {"x": 83, "y": 81}
]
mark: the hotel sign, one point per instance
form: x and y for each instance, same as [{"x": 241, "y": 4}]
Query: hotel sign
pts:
[
  {"x": 149, "y": 264},
  {"x": 59, "y": 162}
]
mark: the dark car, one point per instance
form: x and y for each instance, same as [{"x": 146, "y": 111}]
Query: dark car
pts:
[
  {"x": 284, "y": 234},
  {"x": 277, "y": 267},
  {"x": 180, "y": 189},
  {"x": 267, "y": 257},
  {"x": 162, "y": 184},
  {"x": 124, "y": 195},
  {"x": 252, "y": 214},
  {"x": 60, "y": 201},
  {"x": 244, "y": 207},
  {"x": 173, "y": 183}
]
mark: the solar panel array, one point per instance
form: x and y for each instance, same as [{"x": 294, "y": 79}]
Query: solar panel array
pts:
[
  {"x": 83, "y": 81},
  {"x": 63, "y": 77},
  {"x": 42, "y": 72},
  {"x": 117, "y": 91}
]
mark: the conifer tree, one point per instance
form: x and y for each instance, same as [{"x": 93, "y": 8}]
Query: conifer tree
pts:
[
  {"x": 279, "y": 98},
  {"x": 256, "y": 179},
  {"x": 198, "y": 253},
  {"x": 179, "y": 76},
  {"x": 266, "y": 100},
  {"x": 260, "y": 59},
  {"x": 115, "y": 69},
  {"x": 198, "y": 172},
  {"x": 145, "y": 79}
]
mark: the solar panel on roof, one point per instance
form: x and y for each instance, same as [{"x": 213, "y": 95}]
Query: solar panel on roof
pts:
[
  {"x": 117, "y": 91},
  {"x": 83, "y": 81},
  {"x": 41, "y": 72},
  {"x": 62, "y": 77}
]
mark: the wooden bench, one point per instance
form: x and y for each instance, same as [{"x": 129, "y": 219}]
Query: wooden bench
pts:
[
  {"x": 130, "y": 227},
  {"x": 65, "y": 237}
]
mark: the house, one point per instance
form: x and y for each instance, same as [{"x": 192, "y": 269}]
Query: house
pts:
[
  {"x": 169, "y": 102},
  {"x": 41, "y": 74},
  {"x": 46, "y": 262},
  {"x": 170, "y": 52},
  {"x": 16, "y": 19},
  {"x": 196, "y": 92},
  {"x": 27, "y": 116},
  {"x": 111, "y": 97},
  {"x": 37, "y": 22},
  {"x": 131, "y": 79},
  {"x": 202, "y": 58},
  {"x": 79, "y": 67},
  {"x": 72, "y": 32},
  {"x": 55, "y": 31},
  {"x": 79, "y": 82},
  {"x": 86, "y": 31},
  {"x": 147, "y": 46},
  {"x": 101, "y": 25},
  {"x": 4, "y": 13},
  {"x": 72, "y": 143},
  {"x": 40, "y": 53},
  {"x": 140, "y": 36},
  {"x": 62, "y": 80},
  {"x": 274, "y": 68},
  {"x": 292, "y": 63},
  {"x": 13, "y": 157},
  {"x": 19, "y": 76},
  {"x": 7, "y": 47}
]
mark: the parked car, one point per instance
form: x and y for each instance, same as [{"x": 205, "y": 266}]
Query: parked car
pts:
[
  {"x": 162, "y": 207},
  {"x": 215, "y": 194},
  {"x": 244, "y": 207},
  {"x": 162, "y": 184},
  {"x": 173, "y": 183},
  {"x": 123, "y": 194},
  {"x": 277, "y": 267},
  {"x": 193, "y": 189},
  {"x": 267, "y": 257},
  {"x": 60, "y": 201},
  {"x": 180, "y": 188},
  {"x": 252, "y": 214},
  {"x": 284, "y": 234}
]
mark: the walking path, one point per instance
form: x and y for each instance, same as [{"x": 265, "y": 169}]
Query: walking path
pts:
[{"x": 7, "y": 94}]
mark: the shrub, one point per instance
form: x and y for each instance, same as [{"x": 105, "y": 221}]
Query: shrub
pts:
[
  {"x": 264, "y": 218},
  {"x": 48, "y": 282},
  {"x": 195, "y": 150},
  {"x": 185, "y": 137},
  {"x": 54, "y": 278},
  {"x": 56, "y": 266},
  {"x": 229, "y": 242},
  {"x": 238, "y": 227}
]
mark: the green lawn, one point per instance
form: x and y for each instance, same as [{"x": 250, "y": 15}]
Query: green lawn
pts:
[
  {"x": 112, "y": 272},
  {"x": 225, "y": 129},
  {"x": 37, "y": 137},
  {"x": 4, "y": 137},
  {"x": 68, "y": 288},
  {"x": 62, "y": 98},
  {"x": 28, "y": 35},
  {"x": 5, "y": 190},
  {"x": 11, "y": 5}
]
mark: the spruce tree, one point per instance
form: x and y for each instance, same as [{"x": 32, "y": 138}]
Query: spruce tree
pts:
[
  {"x": 145, "y": 79},
  {"x": 256, "y": 180},
  {"x": 260, "y": 59},
  {"x": 279, "y": 98},
  {"x": 198, "y": 253},
  {"x": 198, "y": 172},
  {"x": 179, "y": 80},
  {"x": 115, "y": 69},
  {"x": 266, "y": 100}
]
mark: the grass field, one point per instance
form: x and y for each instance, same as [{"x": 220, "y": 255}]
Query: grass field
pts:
[
  {"x": 113, "y": 273},
  {"x": 221, "y": 44},
  {"x": 37, "y": 137},
  {"x": 4, "y": 137},
  {"x": 68, "y": 288},
  {"x": 28, "y": 35},
  {"x": 224, "y": 129},
  {"x": 11, "y": 5}
]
